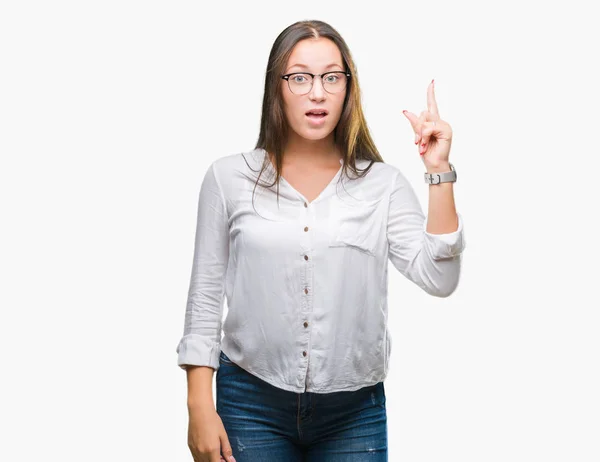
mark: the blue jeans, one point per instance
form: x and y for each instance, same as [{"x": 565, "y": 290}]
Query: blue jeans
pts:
[{"x": 266, "y": 423}]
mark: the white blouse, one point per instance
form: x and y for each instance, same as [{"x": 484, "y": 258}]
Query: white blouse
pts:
[{"x": 306, "y": 282}]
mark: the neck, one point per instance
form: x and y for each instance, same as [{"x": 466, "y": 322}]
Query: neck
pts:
[{"x": 301, "y": 150}]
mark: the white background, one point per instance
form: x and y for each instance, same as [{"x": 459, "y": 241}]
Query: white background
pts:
[{"x": 110, "y": 114}]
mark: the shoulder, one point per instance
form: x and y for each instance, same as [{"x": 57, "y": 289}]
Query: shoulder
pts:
[
  {"x": 382, "y": 172},
  {"x": 235, "y": 171},
  {"x": 230, "y": 165}
]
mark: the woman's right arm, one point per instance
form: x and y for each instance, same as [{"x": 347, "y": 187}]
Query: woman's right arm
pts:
[
  {"x": 200, "y": 345},
  {"x": 199, "y": 387},
  {"x": 207, "y": 438}
]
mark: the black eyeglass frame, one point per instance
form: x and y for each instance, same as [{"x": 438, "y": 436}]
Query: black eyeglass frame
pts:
[{"x": 287, "y": 77}]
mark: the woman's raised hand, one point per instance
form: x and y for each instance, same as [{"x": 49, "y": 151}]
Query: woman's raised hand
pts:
[{"x": 433, "y": 136}]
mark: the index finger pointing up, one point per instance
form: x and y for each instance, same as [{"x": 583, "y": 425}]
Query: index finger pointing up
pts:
[{"x": 431, "y": 103}]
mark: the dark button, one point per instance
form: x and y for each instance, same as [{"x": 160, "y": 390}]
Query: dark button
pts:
[
  {"x": 305, "y": 324},
  {"x": 306, "y": 257},
  {"x": 306, "y": 290},
  {"x": 304, "y": 353},
  {"x": 305, "y": 204},
  {"x": 306, "y": 228}
]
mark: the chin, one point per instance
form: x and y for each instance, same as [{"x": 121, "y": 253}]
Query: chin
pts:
[
  {"x": 314, "y": 133},
  {"x": 313, "y": 136}
]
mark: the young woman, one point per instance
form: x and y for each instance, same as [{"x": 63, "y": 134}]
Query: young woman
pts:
[{"x": 297, "y": 234}]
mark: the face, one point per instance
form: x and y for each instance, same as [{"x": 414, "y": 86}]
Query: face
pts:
[{"x": 318, "y": 56}]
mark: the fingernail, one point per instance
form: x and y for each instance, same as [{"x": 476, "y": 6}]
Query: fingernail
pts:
[{"x": 232, "y": 459}]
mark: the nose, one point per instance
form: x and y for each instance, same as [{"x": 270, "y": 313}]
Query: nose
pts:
[{"x": 317, "y": 91}]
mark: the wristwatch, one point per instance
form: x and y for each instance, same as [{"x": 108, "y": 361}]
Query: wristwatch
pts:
[{"x": 444, "y": 177}]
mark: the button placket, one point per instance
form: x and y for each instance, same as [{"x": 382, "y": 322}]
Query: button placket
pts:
[{"x": 306, "y": 303}]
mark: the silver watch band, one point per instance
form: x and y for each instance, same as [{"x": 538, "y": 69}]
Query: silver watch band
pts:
[{"x": 444, "y": 177}]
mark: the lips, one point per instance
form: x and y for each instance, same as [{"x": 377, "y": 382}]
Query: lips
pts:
[
  {"x": 316, "y": 120},
  {"x": 317, "y": 113}
]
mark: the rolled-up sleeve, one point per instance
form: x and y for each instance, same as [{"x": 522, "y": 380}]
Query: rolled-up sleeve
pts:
[
  {"x": 432, "y": 261},
  {"x": 201, "y": 341}
]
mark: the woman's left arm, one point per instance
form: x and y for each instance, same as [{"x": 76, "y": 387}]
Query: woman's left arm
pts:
[
  {"x": 433, "y": 136},
  {"x": 442, "y": 217},
  {"x": 429, "y": 254}
]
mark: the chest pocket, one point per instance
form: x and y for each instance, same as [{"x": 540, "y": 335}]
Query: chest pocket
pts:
[{"x": 355, "y": 223}]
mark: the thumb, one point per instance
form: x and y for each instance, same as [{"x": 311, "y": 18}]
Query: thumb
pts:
[{"x": 226, "y": 451}]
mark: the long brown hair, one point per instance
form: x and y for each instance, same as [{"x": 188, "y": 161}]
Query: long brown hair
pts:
[{"x": 351, "y": 134}]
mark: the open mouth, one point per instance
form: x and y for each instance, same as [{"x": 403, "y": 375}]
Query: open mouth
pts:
[
  {"x": 316, "y": 117},
  {"x": 316, "y": 113}
]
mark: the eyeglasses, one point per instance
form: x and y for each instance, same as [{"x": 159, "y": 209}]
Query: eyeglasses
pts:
[{"x": 300, "y": 83}]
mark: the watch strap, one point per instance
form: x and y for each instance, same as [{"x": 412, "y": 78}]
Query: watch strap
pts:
[{"x": 443, "y": 177}]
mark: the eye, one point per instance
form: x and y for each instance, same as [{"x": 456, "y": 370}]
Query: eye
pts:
[
  {"x": 332, "y": 78},
  {"x": 298, "y": 78}
]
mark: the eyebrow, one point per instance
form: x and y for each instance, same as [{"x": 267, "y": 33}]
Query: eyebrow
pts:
[{"x": 306, "y": 67}]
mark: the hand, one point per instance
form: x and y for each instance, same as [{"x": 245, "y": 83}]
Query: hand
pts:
[
  {"x": 207, "y": 438},
  {"x": 433, "y": 140}
]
